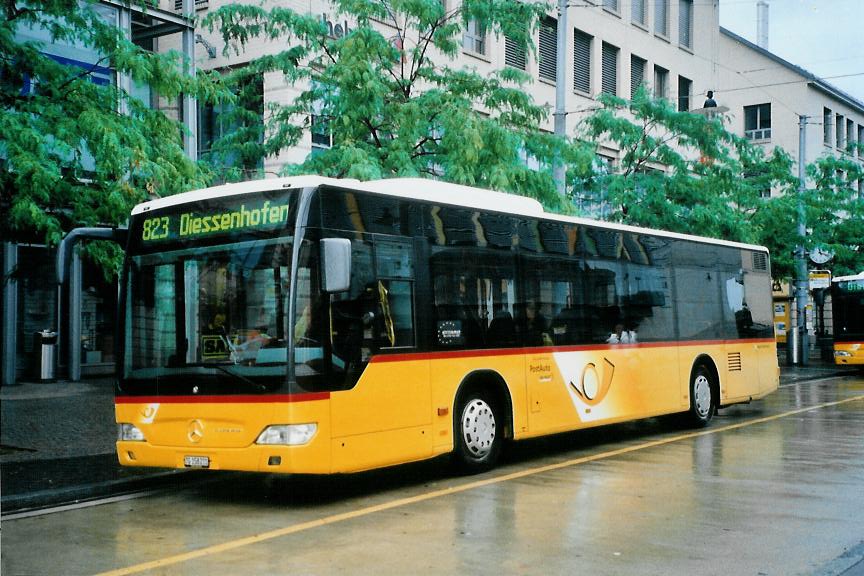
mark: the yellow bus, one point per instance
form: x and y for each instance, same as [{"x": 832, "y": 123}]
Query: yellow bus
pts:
[
  {"x": 314, "y": 325},
  {"x": 847, "y": 305}
]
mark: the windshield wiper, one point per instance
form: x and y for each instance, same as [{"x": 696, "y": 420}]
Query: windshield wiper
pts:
[{"x": 256, "y": 386}]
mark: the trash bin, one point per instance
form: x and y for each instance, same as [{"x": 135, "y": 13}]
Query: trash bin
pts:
[
  {"x": 44, "y": 348},
  {"x": 792, "y": 346}
]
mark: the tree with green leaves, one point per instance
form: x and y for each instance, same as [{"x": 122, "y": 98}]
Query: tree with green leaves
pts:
[
  {"x": 389, "y": 99},
  {"x": 681, "y": 171},
  {"x": 75, "y": 151},
  {"x": 835, "y": 211}
]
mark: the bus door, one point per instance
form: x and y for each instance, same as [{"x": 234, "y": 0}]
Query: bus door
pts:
[
  {"x": 548, "y": 316},
  {"x": 384, "y": 414}
]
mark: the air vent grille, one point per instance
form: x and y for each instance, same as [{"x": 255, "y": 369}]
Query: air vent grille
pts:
[
  {"x": 760, "y": 261},
  {"x": 734, "y": 362}
]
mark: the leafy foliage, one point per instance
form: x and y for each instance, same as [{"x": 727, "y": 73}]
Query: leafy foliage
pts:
[
  {"x": 77, "y": 152},
  {"x": 681, "y": 171},
  {"x": 835, "y": 211},
  {"x": 390, "y": 104}
]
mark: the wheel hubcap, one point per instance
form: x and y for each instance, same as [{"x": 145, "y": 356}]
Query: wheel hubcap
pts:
[
  {"x": 478, "y": 428},
  {"x": 702, "y": 395}
]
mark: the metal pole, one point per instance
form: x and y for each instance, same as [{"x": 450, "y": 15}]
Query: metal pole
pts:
[
  {"x": 9, "y": 290},
  {"x": 801, "y": 281},
  {"x": 560, "y": 114},
  {"x": 75, "y": 287},
  {"x": 190, "y": 104}
]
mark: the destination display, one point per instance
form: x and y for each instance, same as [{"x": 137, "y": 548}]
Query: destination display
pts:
[
  {"x": 247, "y": 215},
  {"x": 856, "y": 286}
]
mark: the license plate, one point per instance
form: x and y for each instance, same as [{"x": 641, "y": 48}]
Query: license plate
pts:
[{"x": 196, "y": 461}]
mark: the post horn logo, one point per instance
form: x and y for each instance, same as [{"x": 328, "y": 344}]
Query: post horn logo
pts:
[
  {"x": 591, "y": 389},
  {"x": 195, "y": 431}
]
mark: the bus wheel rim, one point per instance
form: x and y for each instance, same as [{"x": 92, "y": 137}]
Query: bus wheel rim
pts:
[
  {"x": 702, "y": 393},
  {"x": 478, "y": 428}
]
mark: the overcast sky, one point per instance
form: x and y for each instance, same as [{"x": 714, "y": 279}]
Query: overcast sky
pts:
[{"x": 825, "y": 37}]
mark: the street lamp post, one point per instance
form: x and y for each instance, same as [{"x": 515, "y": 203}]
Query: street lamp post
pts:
[
  {"x": 801, "y": 282},
  {"x": 560, "y": 115}
]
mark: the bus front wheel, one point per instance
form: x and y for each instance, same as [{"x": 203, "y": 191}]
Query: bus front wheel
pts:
[
  {"x": 702, "y": 401},
  {"x": 478, "y": 431}
]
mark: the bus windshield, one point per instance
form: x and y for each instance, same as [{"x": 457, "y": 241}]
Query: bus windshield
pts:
[
  {"x": 209, "y": 319},
  {"x": 206, "y": 296},
  {"x": 848, "y": 305}
]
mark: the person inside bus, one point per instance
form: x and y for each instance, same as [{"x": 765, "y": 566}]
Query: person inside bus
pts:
[
  {"x": 621, "y": 336},
  {"x": 355, "y": 329},
  {"x": 536, "y": 325},
  {"x": 744, "y": 321}
]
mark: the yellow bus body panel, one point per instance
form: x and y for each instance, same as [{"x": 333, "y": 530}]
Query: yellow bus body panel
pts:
[
  {"x": 855, "y": 351},
  {"x": 227, "y": 434},
  {"x": 402, "y": 408}
]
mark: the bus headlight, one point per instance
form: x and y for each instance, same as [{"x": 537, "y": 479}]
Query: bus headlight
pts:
[
  {"x": 842, "y": 354},
  {"x": 129, "y": 433},
  {"x": 287, "y": 434}
]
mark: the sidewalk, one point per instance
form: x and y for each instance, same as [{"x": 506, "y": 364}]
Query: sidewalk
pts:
[
  {"x": 57, "y": 445},
  {"x": 57, "y": 441}
]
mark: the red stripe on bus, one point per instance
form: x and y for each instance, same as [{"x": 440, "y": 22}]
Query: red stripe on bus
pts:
[
  {"x": 227, "y": 399},
  {"x": 552, "y": 349}
]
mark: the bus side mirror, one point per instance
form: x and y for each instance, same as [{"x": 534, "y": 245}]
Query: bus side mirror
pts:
[{"x": 336, "y": 264}]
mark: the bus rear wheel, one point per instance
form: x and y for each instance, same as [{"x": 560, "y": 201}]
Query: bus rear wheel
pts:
[
  {"x": 702, "y": 401},
  {"x": 478, "y": 430}
]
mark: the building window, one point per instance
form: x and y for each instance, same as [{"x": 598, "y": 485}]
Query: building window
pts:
[
  {"x": 611, "y": 5},
  {"x": 757, "y": 122},
  {"x": 199, "y": 5},
  {"x": 860, "y": 150},
  {"x": 548, "y": 53},
  {"x": 661, "y": 17},
  {"x": 826, "y": 126},
  {"x": 685, "y": 23},
  {"x": 319, "y": 123},
  {"x": 839, "y": 132},
  {"x": 637, "y": 12},
  {"x": 221, "y": 127},
  {"x": 582, "y": 61},
  {"x": 514, "y": 54},
  {"x": 474, "y": 37},
  {"x": 850, "y": 134},
  {"x": 637, "y": 73},
  {"x": 609, "y": 84},
  {"x": 661, "y": 82},
  {"x": 322, "y": 136},
  {"x": 685, "y": 89}
]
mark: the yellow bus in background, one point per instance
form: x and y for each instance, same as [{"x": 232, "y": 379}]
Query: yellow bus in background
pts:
[
  {"x": 847, "y": 304},
  {"x": 314, "y": 325}
]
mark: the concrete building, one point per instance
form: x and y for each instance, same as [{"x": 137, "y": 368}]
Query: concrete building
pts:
[
  {"x": 766, "y": 95},
  {"x": 612, "y": 46},
  {"x": 31, "y": 301}
]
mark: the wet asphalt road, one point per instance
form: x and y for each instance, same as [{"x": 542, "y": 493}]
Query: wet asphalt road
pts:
[{"x": 775, "y": 487}]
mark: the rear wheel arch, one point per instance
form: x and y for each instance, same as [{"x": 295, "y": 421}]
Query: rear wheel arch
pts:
[
  {"x": 703, "y": 365},
  {"x": 494, "y": 384},
  {"x": 482, "y": 421}
]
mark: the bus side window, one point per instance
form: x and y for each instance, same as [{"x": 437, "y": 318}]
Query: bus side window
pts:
[
  {"x": 698, "y": 282},
  {"x": 394, "y": 270}
]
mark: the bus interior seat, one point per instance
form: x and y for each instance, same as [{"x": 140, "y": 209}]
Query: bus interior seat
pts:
[{"x": 502, "y": 329}]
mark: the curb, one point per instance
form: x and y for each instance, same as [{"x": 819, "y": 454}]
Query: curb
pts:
[{"x": 71, "y": 495}]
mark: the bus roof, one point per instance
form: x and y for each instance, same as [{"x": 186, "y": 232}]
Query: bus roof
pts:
[
  {"x": 856, "y": 277},
  {"x": 424, "y": 190}
]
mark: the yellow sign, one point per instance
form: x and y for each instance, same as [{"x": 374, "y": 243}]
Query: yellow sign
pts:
[{"x": 820, "y": 279}]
